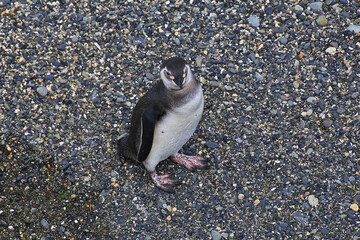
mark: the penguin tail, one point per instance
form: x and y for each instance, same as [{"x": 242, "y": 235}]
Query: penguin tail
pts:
[
  {"x": 124, "y": 149},
  {"x": 122, "y": 144}
]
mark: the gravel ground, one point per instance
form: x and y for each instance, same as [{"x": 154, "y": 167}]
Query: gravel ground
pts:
[{"x": 281, "y": 124}]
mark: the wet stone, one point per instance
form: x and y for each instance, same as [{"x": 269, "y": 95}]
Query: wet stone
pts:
[
  {"x": 283, "y": 40},
  {"x": 321, "y": 20},
  {"x": 300, "y": 217},
  {"x": 45, "y": 223},
  {"x": 212, "y": 145},
  {"x": 149, "y": 76},
  {"x": 315, "y": 6},
  {"x": 353, "y": 28},
  {"x": 254, "y": 21},
  {"x": 42, "y": 91},
  {"x": 215, "y": 235}
]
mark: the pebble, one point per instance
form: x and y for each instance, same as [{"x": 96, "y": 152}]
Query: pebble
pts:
[
  {"x": 311, "y": 99},
  {"x": 214, "y": 83},
  {"x": 42, "y": 91},
  {"x": 149, "y": 76},
  {"x": 296, "y": 84},
  {"x": 213, "y": 15},
  {"x": 283, "y": 40},
  {"x": 298, "y": 8},
  {"x": 322, "y": 20},
  {"x": 324, "y": 231},
  {"x": 212, "y": 145},
  {"x": 354, "y": 207},
  {"x": 354, "y": 95},
  {"x": 45, "y": 223},
  {"x": 331, "y": 50},
  {"x": 215, "y": 235},
  {"x": 327, "y": 123},
  {"x": 198, "y": 61},
  {"x": 258, "y": 76},
  {"x": 301, "y": 218},
  {"x": 340, "y": 110},
  {"x": 241, "y": 196},
  {"x": 74, "y": 38},
  {"x": 315, "y": 6},
  {"x": 307, "y": 113},
  {"x": 254, "y": 21},
  {"x": 353, "y": 28},
  {"x": 313, "y": 201}
]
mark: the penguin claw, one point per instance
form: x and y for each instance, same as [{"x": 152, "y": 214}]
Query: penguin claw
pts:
[
  {"x": 192, "y": 163},
  {"x": 164, "y": 182}
]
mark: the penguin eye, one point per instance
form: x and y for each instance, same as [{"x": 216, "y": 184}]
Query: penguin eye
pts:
[{"x": 167, "y": 73}]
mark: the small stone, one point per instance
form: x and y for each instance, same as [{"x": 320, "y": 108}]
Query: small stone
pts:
[
  {"x": 331, "y": 50},
  {"x": 45, "y": 223},
  {"x": 258, "y": 76},
  {"x": 340, "y": 110},
  {"x": 353, "y": 28},
  {"x": 74, "y": 39},
  {"x": 198, "y": 61},
  {"x": 313, "y": 201},
  {"x": 228, "y": 88},
  {"x": 327, "y": 123},
  {"x": 321, "y": 20},
  {"x": 212, "y": 145},
  {"x": 42, "y": 91},
  {"x": 354, "y": 207},
  {"x": 298, "y": 8},
  {"x": 241, "y": 196},
  {"x": 301, "y": 218},
  {"x": 62, "y": 46},
  {"x": 214, "y": 83},
  {"x": 254, "y": 21},
  {"x": 296, "y": 84},
  {"x": 283, "y": 40},
  {"x": 315, "y": 6},
  {"x": 213, "y": 15},
  {"x": 4, "y": 2},
  {"x": 354, "y": 95},
  {"x": 324, "y": 231},
  {"x": 149, "y": 76},
  {"x": 215, "y": 235},
  {"x": 225, "y": 235},
  {"x": 307, "y": 113},
  {"x": 309, "y": 151},
  {"x": 311, "y": 99}
]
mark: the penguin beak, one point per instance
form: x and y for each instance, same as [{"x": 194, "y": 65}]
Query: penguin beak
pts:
[{"x": 179, "y": 81}]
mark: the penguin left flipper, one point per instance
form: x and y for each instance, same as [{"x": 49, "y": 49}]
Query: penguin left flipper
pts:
[{"x": 148, "y": 121}]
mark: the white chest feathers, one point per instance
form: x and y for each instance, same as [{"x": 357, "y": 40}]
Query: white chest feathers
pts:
[{"x": 175, "y": 129}]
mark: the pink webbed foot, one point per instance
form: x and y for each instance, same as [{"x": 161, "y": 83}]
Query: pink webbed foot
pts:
[
  {"x": 191, "y": 162},
  {"x": 164, "y": 182}
]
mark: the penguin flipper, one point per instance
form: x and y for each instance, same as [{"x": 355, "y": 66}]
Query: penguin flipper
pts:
[{"x": 148, "y": 121}]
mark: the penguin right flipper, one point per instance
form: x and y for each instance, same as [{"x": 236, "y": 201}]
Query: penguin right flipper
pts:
[{"x": 148, "y": 121}]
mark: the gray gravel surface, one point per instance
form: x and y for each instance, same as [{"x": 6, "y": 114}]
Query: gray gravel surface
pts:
[{"x": 281, "y": 124}]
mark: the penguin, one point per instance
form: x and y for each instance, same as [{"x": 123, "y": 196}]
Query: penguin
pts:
[{"x": 163, "y": 120}]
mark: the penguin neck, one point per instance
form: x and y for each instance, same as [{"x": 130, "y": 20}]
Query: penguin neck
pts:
[{"x": 180, "y": 97}]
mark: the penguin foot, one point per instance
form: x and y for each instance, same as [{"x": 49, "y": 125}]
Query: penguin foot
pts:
[
  {"x": 191, "y": 162},
  {"x": 164, "y": 182}
]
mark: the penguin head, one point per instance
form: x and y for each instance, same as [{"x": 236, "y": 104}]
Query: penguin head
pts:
[{"x": 175, "y": 73}]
